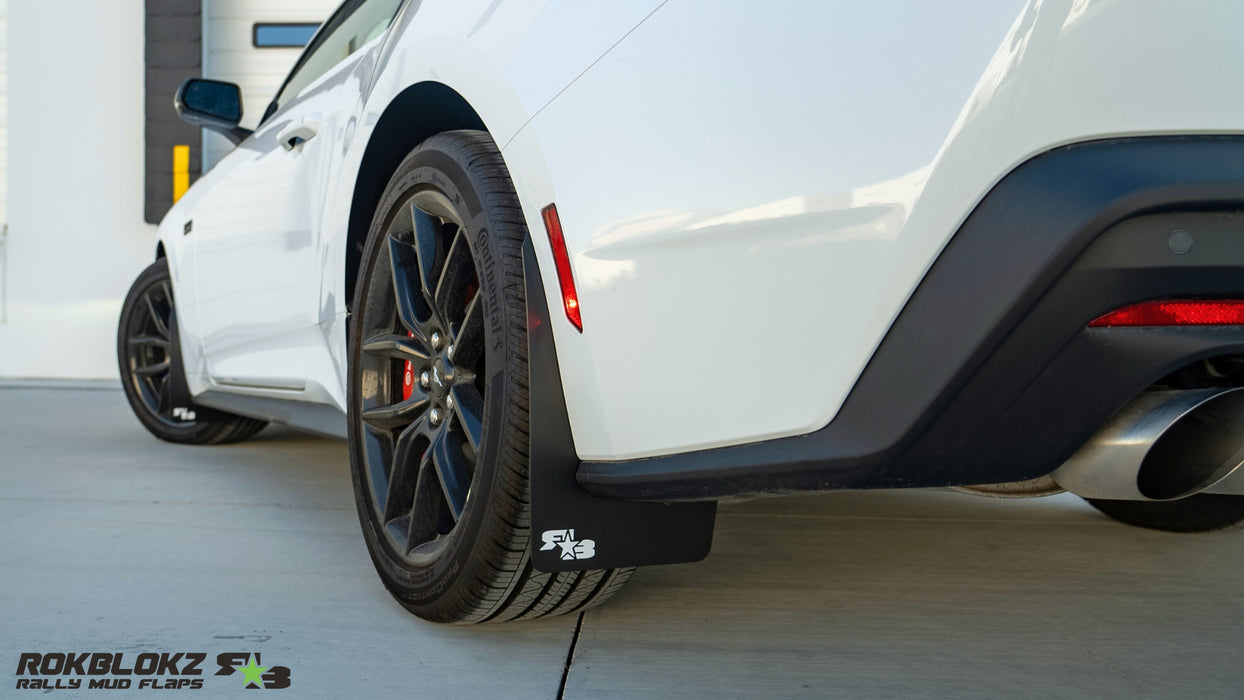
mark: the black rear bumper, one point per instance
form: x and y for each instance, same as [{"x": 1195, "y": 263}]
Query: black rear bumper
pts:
[{"x": 990, "y": 373}]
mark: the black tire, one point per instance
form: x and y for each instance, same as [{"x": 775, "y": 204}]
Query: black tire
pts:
[
  {"x": 149, "y": 362},
  {"x": 1203, "y": 512},
  {"x": 448, "y": 525}
]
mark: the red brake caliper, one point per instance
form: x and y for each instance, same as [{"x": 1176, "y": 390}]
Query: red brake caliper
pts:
[{"x": 408, "y": 377}]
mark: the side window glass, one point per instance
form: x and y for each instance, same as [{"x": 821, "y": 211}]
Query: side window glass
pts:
[{"x": 355, "y": 24}]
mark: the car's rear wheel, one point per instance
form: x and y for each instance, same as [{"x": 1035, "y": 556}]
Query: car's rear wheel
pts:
[
  {"x": 1200, "y": 513},
  {"x": 149, "y": 360},
  {"x": 438, "y": 395}
]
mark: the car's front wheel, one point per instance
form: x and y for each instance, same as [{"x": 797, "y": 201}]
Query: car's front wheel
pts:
[
  {"x": 438, "y": 395},
  {"x": 149, "y": 361}
]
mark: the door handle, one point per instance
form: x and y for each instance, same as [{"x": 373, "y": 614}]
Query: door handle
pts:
[{"x": 298, "y": 132}]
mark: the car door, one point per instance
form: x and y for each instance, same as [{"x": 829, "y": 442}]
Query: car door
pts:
[{"x": 257, "y": 230}]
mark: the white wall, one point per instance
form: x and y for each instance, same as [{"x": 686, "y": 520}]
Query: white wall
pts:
[
  {"x": 4, "y": 118},
  {"x": 4, "y": 155},
  {"x": 75, "y": 183}
]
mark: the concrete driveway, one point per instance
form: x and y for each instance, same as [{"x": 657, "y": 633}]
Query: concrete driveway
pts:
[{"x": 115, "y": 542}]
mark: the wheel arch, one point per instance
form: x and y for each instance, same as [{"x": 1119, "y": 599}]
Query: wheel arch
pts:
[{"x": 424, "y": 109}]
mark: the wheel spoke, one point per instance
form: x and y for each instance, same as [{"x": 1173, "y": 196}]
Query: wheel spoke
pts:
[
  {"x": 451, "y": 468},
  {"x": 469, "y": 335},
  {"x": 160, "y": 325},
  {"x": 398, "y": 414},
  {"x": 412, "y": 309},
  {"x": 427, "y": 235},
  {"x": 469, "y": 408},
  {"x": 404, "y": 472},
  {"x": 456, "y": 275},
  {"x": 397, "y": 347},
  {"x": 164, "y": 406},
  {"x": 425, "y": 510},
  {"x": 152, "y": 370},
  {"x": 149, "y": 340},
  {"x": 377, "y": 455}
]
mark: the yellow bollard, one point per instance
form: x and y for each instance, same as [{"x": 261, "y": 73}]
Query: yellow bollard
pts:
[{"x": 181, "y": 171}]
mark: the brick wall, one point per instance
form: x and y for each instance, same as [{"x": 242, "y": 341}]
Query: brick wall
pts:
[{"x": 174, "y": 52}]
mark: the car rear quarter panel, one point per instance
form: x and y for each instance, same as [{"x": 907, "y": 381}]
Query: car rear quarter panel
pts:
[{"x": 751, "y": 193}]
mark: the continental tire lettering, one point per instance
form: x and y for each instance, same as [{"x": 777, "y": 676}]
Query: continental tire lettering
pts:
[{"x": 483, "y": 254}]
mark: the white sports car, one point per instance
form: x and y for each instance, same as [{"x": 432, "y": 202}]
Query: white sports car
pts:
[{"x": 567, "y": 274}]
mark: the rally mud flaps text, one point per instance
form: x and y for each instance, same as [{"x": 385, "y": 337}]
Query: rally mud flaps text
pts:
[{"x": 156, "y": 671}]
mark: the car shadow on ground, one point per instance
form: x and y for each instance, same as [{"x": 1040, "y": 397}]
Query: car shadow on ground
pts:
[{"x": 929, "y": 593}]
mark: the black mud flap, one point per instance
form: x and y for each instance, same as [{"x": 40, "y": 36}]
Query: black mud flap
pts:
[
  {"x": 571, "y": 529},
  {"x": 179, "y": 390}
]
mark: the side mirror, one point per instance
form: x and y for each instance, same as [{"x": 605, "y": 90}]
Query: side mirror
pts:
[{"x": 212, "y": 104}]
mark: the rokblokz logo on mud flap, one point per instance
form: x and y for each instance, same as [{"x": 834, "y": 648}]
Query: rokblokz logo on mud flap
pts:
[
  {"x": 157, "y": 671},
  {"x": 570, "y": 547}
]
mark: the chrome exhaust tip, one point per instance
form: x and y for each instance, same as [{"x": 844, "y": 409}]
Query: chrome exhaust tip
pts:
[{"x": 1162, "y": 446}]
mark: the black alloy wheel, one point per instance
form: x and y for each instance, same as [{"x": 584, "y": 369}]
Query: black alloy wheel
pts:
[
  {"x": 149, "y": 356},
  {"x": 424, "y": 420},
  {"x": 152, "y": 376},
  {"x": 438, "y": 395}
]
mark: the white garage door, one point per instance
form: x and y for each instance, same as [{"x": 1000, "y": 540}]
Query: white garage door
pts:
[
  {"x": 4, "y": 156},
  {"x": 4, "y": 117},
  {"x": 230, "y": 53}
]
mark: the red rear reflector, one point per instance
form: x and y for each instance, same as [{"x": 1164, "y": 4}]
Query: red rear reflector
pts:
[
  {"x": 1177, "y": 313},
  {"x": 570, "y": 298}
]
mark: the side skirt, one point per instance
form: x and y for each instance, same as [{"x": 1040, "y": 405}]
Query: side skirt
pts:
[{"x": 316, "y": 418}]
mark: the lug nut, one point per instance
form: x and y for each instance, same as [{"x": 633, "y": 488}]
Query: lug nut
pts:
[
  {"x": 436, "y": 341},
  {"x": 435, "y": 416},
  {"x": 450, "y": 352},
  {"x": 424, "y": 379},
  {"x": 449, "y": 401}
]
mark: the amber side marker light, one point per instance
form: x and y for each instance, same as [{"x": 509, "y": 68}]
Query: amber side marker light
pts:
[
  {"x": 1202, "y": 312},
  {"x": 570, "y": 298}
]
